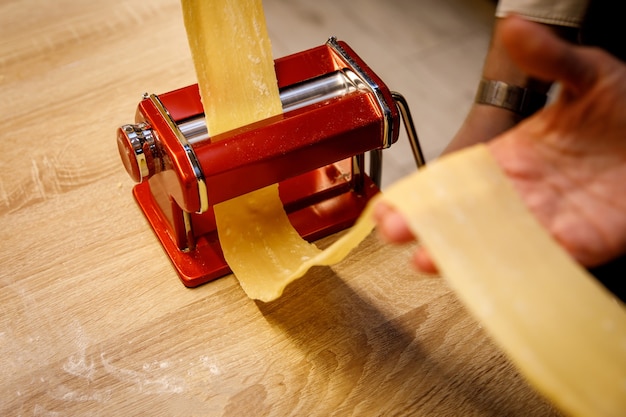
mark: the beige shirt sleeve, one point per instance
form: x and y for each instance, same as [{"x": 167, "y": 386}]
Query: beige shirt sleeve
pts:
[{"x": 555, "y": 12}]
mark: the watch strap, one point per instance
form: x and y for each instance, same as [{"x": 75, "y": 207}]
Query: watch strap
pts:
[{"x": 523, "y": 101}]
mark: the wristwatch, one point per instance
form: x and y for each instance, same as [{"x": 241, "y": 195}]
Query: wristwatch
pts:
[{"x": 523, "y": 101}]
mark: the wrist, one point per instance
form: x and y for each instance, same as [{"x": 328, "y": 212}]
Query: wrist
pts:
[
  {"x": 482, "y": 123},
  {"x": 519, "y": 100}
]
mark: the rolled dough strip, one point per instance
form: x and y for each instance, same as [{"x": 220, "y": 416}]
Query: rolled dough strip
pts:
[
  {"x": 564, "y": 331},
  {"x": 232, "y": 54},
  {"x": 265, "y": 251}
]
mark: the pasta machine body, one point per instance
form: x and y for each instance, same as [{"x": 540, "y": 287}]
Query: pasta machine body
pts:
[{"x": 336, "y": 110}]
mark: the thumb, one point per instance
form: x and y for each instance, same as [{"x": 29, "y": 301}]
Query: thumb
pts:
[{"x": 542, "y": 54}]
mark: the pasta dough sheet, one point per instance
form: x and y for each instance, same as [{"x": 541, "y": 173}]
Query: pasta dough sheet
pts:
[
  {"x": 232, "y": 55},
  {"x": 265, "y": 252},
  {"x": 565, "y": 331}
]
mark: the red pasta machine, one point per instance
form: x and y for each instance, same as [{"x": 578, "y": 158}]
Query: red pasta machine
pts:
[{"x": 336, "y": 109}]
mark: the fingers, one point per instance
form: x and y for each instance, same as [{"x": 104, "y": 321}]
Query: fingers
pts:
[
  {"x": 391, "y": 224},
  {"x": 423, "y": 262},
  {"x": 393, "y": 229},
  {"x": 540, "y": 53}
]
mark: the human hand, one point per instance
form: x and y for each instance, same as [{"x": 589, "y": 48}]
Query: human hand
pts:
[{"x": 568, "y": 161}]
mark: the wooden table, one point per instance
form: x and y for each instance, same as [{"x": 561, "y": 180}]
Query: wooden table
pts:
[{"x": 93, "y": 319}]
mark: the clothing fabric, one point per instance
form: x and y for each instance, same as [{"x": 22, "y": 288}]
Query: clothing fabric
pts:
[{"x": 556, "y": 12}]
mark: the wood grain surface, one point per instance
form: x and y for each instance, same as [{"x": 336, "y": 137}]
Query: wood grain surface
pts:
[{"x": 94, "y": 321}]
